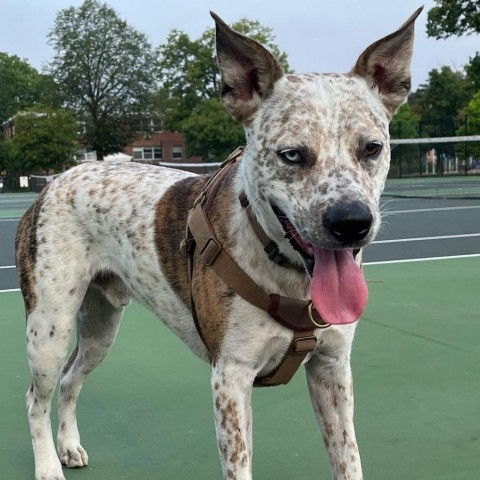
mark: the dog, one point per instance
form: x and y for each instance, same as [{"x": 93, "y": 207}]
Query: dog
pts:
[{"x": 257, "y": 270}]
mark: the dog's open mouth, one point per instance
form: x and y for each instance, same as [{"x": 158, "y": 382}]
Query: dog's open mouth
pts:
[{"x": 338, "y": 289}]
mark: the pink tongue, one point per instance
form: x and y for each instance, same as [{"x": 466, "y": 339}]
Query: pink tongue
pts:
[{"x": 338, "y": 289}]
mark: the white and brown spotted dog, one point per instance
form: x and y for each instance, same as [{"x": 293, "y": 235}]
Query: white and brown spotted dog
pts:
[{"x": 316, "y": 157}]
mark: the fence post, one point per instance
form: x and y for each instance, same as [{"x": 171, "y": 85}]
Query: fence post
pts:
[
  {"x": 465, "y": 152},
  {"x": 419, "y": 148}
]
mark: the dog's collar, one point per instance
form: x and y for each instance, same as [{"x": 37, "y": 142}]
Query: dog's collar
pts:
[
  {"x": 269, "y": 246},
  {"x": 297, "y": 315}
]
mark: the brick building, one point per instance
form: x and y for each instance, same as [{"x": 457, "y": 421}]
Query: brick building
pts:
[
  {"x": 153, "y": 144},
  {"x": 160, "y": 146}
]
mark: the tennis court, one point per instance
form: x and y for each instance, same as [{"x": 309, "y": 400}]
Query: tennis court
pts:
[{"x": 146, "y": 412}]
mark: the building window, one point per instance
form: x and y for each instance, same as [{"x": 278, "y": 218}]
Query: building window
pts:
[
  {"x": 147, "y": 153},
  {"x": 156, "y": 125},
  {"x": 147, "y": 126},
  {"x": 177, "y": 153}
]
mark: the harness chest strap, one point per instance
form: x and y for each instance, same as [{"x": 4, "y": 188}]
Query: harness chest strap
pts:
[{"x": 296, "y": 315}]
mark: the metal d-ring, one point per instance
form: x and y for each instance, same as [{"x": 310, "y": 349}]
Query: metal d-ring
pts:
[{"x": 310, "y": 308}]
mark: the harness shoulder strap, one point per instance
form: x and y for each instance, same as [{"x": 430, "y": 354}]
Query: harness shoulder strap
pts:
[{"x": 297, "y": 315}]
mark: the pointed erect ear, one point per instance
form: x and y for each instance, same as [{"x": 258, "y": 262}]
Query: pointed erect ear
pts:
[
  {"x": 248, "y": 71},
  {"x": 385, "y": 65}
]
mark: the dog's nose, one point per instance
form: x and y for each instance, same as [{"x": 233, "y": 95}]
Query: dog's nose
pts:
[{"x": 348, "y": 222}]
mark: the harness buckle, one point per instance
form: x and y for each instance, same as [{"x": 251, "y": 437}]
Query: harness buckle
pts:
[
  {"x": 304, "y": 344},
  {"x": 210, "y": 251}
]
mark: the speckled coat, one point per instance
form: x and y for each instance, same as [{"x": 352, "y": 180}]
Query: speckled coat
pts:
[{"x": 104, "y": 233}]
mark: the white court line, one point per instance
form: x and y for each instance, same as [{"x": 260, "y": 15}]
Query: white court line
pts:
[
  {"x": 386, "y": 212},
  {"x": 386, "y": 262},
  {"x": 6, "y": 267},
  {"x": 439, "y": 209},
  {"x": 421, "y": 239},
  {"x": 426, "y": 259}
]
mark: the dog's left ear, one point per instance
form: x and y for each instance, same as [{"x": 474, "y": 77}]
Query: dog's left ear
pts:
[
  {"x": 248, "y": 71},
  {"x": 385, "y": 65}
]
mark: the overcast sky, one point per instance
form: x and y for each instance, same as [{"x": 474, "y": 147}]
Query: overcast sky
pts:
[{"x": 318, "y": 35}]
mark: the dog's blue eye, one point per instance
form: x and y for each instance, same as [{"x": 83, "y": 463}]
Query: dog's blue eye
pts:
[{"x": 291, "y": 156}]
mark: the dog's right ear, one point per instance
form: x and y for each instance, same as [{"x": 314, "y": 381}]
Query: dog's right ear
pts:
[
  {"x": 248, "y": 71},
  {"x": 385, "y": 65}
]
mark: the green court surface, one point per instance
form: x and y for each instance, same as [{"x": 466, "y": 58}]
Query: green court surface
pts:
[
  {"x": 146, "y": 412},
  {"x": 11, "y": 213},
  {"x": 443, "y": 186}
]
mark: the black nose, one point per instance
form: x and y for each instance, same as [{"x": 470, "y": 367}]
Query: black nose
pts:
[{"x": 348, "y": 222}]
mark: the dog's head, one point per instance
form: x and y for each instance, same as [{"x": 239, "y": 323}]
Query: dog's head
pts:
[{"x": 317, "y": 151}]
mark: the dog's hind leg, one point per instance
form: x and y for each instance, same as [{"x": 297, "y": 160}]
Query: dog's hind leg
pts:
[
  {"x": 330, "y": 384},
  {"x": 97, "y": 326}
]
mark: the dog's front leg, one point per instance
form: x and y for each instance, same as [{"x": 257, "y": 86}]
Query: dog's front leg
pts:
[
  {"x": 232, "y": 394},
  {"x": 331, "y": 390}
]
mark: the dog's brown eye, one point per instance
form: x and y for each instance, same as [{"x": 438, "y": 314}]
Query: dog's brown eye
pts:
[{"x": 372, "y": 149}]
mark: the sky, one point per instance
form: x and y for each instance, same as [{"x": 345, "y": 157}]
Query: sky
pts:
[{"x": 318, "y": 35}]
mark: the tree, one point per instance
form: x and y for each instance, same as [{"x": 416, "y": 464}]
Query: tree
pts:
[
  {"x": 405, "y": 124},
  {"x": 9, "y": 165},
  {"x": 453, "y": 17},
  {"x": 472, "y": 71},
  {"x": 105, "y": 69},
  {"x": 210, "y": 132},
  {"x": 22, "y": 86},
  {"x": 473, "y": 112},
  {"x": 44, "y": 140},
  {"x": 470, "y": 127},
  {"x": 189, "y": 94},
  {"x": 444, "y": 95}
]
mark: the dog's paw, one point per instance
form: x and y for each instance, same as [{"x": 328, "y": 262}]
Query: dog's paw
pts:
[
  {"x": 73, "y": 456},
  {"x": 48, "y": 468},
  {"x": 57, "y": 475}
]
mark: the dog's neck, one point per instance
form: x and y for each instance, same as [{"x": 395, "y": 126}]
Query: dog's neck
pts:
[{"x": 233, "y": 228}]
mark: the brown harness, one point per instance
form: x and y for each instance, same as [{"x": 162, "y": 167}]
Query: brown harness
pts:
[{"x": 297, "y": 315}]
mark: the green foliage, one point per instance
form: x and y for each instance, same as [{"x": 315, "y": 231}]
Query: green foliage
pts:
[
  {"x": 453, "y": 17},
  {"x": 444, "y": 95},
  {"x": 105, "y": 70},
  {"x": 190, "y": 80},
  {"x": 187, "y": 73},
  {"x": 44, "y": 140},
  {"x": 471, "y": 127},
  {"x": 405, "y": 123},
  {"x": 10, "y": 166},
  {"x": 210, "y": 131},
  {"x": 473, "y": 112},
  {"x": 472, "y": 71},
  {"x": 21, "y": 86}
]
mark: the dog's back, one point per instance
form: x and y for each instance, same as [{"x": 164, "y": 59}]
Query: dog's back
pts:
[{"x": 101, "y": 221}]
